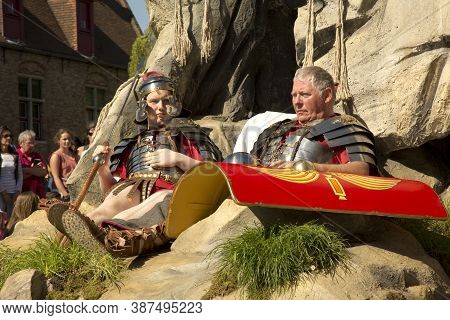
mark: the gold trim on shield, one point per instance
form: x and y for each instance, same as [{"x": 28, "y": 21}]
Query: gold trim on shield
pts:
[
  {"x": 290, "y": 175},
  {"x": 370, "y": 183}
]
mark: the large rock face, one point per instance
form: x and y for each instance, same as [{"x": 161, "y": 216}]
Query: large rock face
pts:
[
  {"x": 397, "y": 59},
  {"x": 252, "y": 60}
]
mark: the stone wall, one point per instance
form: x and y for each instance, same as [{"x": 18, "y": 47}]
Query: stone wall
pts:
[{"x": 63, "y": 91}]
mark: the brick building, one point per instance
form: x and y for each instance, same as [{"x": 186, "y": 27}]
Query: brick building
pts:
[{"x": 61, "y": 61}]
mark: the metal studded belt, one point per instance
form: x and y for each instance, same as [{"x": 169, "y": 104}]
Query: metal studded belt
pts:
[{"x": 152, "y": 175}]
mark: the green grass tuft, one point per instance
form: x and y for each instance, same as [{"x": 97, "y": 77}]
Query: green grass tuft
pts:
[
  {"x": 74, "y": 271},
  {"x": 263, "y": 262}
]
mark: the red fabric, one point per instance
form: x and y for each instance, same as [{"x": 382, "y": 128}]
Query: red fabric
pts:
[
  {"x": 32, "y": 183},
  {"x": 67, "y": 164},
  {"x": 190, "y": 149}
]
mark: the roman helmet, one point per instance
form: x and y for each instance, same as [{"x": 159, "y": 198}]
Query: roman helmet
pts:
[{"x": 152, "y": 81}]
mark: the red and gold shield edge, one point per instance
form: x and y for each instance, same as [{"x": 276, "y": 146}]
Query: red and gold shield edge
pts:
[{"x": 202, "y": 189}]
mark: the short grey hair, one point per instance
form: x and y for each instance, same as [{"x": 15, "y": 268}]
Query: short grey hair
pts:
[
  {"x": 320, "y": 78},
  {"x": 25, "y": 135}
]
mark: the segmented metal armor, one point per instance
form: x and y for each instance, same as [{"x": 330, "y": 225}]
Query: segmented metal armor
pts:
[
  {"x": 340, "y": 131},
  {"x": 143, "y": 176}
]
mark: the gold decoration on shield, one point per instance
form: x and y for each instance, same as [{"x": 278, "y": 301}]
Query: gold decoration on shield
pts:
[{"x": 291, "y": 175}]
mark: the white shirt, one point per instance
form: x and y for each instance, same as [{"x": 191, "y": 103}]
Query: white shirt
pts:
[
  {"x": 8, "y": 181},
  {"x": 255, "y": 126}
]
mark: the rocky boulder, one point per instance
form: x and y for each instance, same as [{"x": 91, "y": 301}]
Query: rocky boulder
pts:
[
  {"x": 29, "y": 230},
  {"x": 252, "y": 60},
  {"x": 25, "y": 285},
  {"x": 386, "y": 261},
  {"x": 420, "y": 164},
  {"x": 33, "y": 227},
  {"x": 392, "y": 265}
]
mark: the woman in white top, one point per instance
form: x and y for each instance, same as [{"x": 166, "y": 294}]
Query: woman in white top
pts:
[{"x": 10, "y": 171}]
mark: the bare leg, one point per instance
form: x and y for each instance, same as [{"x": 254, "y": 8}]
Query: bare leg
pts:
[
  {"x": 114, "y": 204},
  {"x": 141, "y": 209}
]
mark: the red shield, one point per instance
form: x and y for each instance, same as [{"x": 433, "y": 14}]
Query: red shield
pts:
[{"x": 202, "y": 189}]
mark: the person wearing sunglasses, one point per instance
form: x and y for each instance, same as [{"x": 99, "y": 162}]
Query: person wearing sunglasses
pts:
[
  {"x": 11, "y": 178},
  {"x": 90, "y": 129}
]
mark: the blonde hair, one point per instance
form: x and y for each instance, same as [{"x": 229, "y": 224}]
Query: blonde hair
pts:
[
  {"x": 25, "y": 135},
  {"x": 26, "y": 203}
]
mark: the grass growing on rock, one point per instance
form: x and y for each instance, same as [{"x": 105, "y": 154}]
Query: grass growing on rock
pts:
[
  {"x": 265, "y": 262},
  {"x": 74, "y": 271}
]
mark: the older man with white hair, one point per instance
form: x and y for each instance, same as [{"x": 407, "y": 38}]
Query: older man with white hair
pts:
[
  {"x": 317, "y": 139},
  {"x": 33, "y": 165}
]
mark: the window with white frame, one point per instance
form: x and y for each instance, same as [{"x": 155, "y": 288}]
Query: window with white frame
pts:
[
  {"x": 95, "y": 101},
  {"x": 30, "y": 104}
]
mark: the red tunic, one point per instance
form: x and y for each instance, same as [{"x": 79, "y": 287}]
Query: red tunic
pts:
[{"x": 32, "y": 183}]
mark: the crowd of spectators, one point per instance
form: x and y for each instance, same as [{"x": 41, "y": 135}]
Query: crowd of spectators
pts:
[{"x": 26, "y": 176}]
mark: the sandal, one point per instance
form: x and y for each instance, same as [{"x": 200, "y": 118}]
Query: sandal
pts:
[
  {"x": 129, "y": 243},
  {"x": 84, "y": 231},
  {"x": 54, "y": 214}
]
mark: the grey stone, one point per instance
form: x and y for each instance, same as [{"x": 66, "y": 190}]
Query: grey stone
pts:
[
  {"x": 392, "y": 265},
  {"x": 224, "y": 133},
  {"x": 29, "y": 230},
  {"x": 26, "y": 284},
  {"x": 418, "y": 164},
  {"x": 252, "y": 62}
]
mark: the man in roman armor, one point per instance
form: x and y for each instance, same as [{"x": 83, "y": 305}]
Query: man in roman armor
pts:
[
  {"x": 317, "y": 139},
  {"x": 148, "y": 166}
]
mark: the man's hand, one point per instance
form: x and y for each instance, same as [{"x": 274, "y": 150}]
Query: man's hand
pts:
[
  {"x": 168, "y": 158},
  {"x": 300, "y": 165},
  {"x": 164, "y": 158},
  {"x": 106, "y": 152}
]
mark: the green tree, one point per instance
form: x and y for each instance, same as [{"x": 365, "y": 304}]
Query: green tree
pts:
[{"x": 142, "y": 46}]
